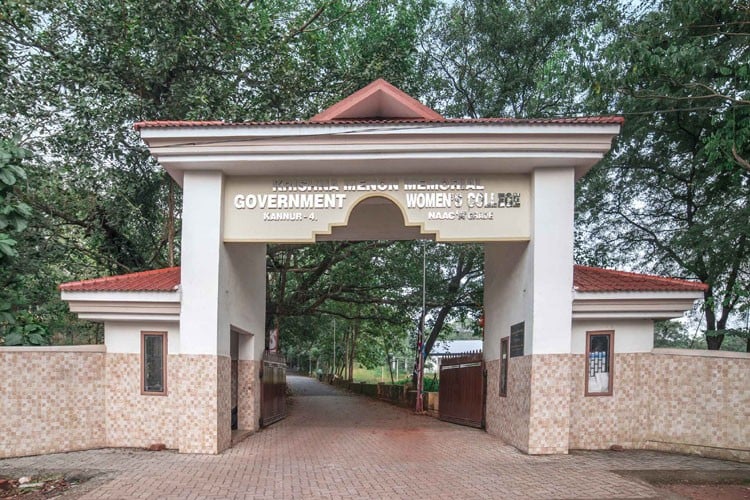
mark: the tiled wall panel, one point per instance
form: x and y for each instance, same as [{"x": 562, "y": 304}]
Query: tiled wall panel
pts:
[
  {"x": 135, "y": 419},
  {"x": 248, "y": 405},
  {"x": 224, "y": 394},
  {"x": 549, "y": 422},
  {"x": 683, "y": 403},
  {"x": 51, "y": 402},
  {"x": 698, "y": 404},
  {"x": 508, "y": 417},
  {"x": 199, "y": 416}
]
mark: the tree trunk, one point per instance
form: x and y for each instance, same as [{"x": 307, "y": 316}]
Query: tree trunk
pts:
[
  {"x": 714, "y": 341},
  {"x": 353, "y": 349}
]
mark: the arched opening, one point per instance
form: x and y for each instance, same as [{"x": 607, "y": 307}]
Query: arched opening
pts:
[{"x": 375, "y": 218}]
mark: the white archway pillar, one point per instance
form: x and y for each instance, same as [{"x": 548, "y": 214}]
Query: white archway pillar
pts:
[
  {"x": 202, "y": 424},
  {"x": 532, "y": 283},
  {"x": 223, "y": 288}
]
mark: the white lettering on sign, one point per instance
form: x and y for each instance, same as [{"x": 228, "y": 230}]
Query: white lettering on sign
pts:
[
  {"x": 289, "y": 201},
  {"x": 451, "y": 207},
  {"x": 460, "y": 215},
  {"x": 367, "y": 185},
  {"x": 421, "y": 194},
  {"x": 432, "y": 200},
  {"x": 283, "y": 216},
  {"x": 443, "y": 185},
  {"x": 304, "y": 185}
]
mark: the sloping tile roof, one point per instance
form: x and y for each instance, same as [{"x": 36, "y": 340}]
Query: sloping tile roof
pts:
[
  {"x": 596, "y": 279},
  {"x": 585, "y": 279},
  {"x": 378, "y": 100},
  {"x": 158, "y": 280},
  {"x": 583, "y": 120}
]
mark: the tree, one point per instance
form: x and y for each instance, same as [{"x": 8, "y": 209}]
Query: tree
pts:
[
  {"x": 672, "y": 197},
  {"x": 374, "y": 290},
  {"x": 77, "y": 74},
  {"x": 512, "y": 58}
]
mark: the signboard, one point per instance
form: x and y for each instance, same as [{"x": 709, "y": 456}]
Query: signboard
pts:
[
  {"x": 283, "y": 209},
  {"x": 517, "y": 334}
]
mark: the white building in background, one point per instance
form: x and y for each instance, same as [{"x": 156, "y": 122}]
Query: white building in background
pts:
[{"x": 447, "y": 347}]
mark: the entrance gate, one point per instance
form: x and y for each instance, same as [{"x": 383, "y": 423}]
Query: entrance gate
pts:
[
  {"x": 378, "y": 165},
  {"x": 462, "y": 389},
  {"x": 273, "y": 388}
]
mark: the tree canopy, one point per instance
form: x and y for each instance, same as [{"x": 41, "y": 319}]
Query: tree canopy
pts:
[{"x": 674, "y": 195}]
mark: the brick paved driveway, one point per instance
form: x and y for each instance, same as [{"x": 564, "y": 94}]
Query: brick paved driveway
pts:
[{"x": 338, "y": 445}]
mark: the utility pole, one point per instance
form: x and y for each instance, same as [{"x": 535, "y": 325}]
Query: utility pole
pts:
[
  {"x": 420, "y": 338},
  {"x": 334, "y": 347}
]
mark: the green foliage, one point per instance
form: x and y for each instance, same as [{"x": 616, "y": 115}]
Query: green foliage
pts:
[
  {"x": 512, "y": 58},
  {"x": 17, "y": 327},
  {"x": 77, "y": 75},
  {"x": 674, "y": 335},
  {"x": 373, "y": 289},
  {"x": 672, "y": 198},
  {"x": 30, "y": 334},
  {"x": 14, "y": 214}
]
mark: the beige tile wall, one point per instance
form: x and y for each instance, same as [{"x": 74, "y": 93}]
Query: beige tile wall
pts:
[
  {"x": 194, "y": 416},
  {"x": 508, "y": 417},
  {"x": 199, "y": 391},
  {"x": 50, "y": 401},
  {"x": 66, "y": 400},
  {"x": 235, "y": 381},
  {"x": 248, "y": 407},
  {"x": 224, "y": 416},
  {"x": 598, "y": 422},
  {"x": 134, "y": 419},
  {"x": 672, "y": 402},
  {"x": 549, "y": 422},
  {"x": 698, "y": 404}
]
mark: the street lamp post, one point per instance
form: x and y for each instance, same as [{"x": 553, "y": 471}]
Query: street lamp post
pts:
[{"x": 420, "y": 338}]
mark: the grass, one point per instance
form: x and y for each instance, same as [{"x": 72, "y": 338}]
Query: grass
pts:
[{"x": 375, "y": 375}]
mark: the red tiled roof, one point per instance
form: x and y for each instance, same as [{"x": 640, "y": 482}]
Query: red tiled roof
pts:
[
  {"x": 158, "y": 280},
  {"x": 380, "y": 103},
  {"x": 378, "y": 100},
  {"x": 585, "y": 279},
  {"x": 583, "y": 120},
  {"x": 596, "y": 279}
]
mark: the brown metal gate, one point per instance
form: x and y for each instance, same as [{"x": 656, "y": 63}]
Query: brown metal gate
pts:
[
  {"x": 273, "y": 388},
  {"x": 462, "y": 389}
]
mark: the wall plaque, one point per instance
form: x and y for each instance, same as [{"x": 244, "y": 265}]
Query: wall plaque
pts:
[{"x": 517, "y": 334}]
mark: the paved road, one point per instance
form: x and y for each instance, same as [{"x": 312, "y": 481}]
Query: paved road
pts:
[{"x": 338, "y": 445}]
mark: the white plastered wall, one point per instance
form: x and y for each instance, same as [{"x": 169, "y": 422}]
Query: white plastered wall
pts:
[
  {"x": 201, "y": 248},
  {"x": 553, "y": 199},
  {"x": 125, "y": 337},
  {"x": 507, "y": 297},
  {"x": 631, "y": 335},
  {"x": 243, "y": 298}
]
